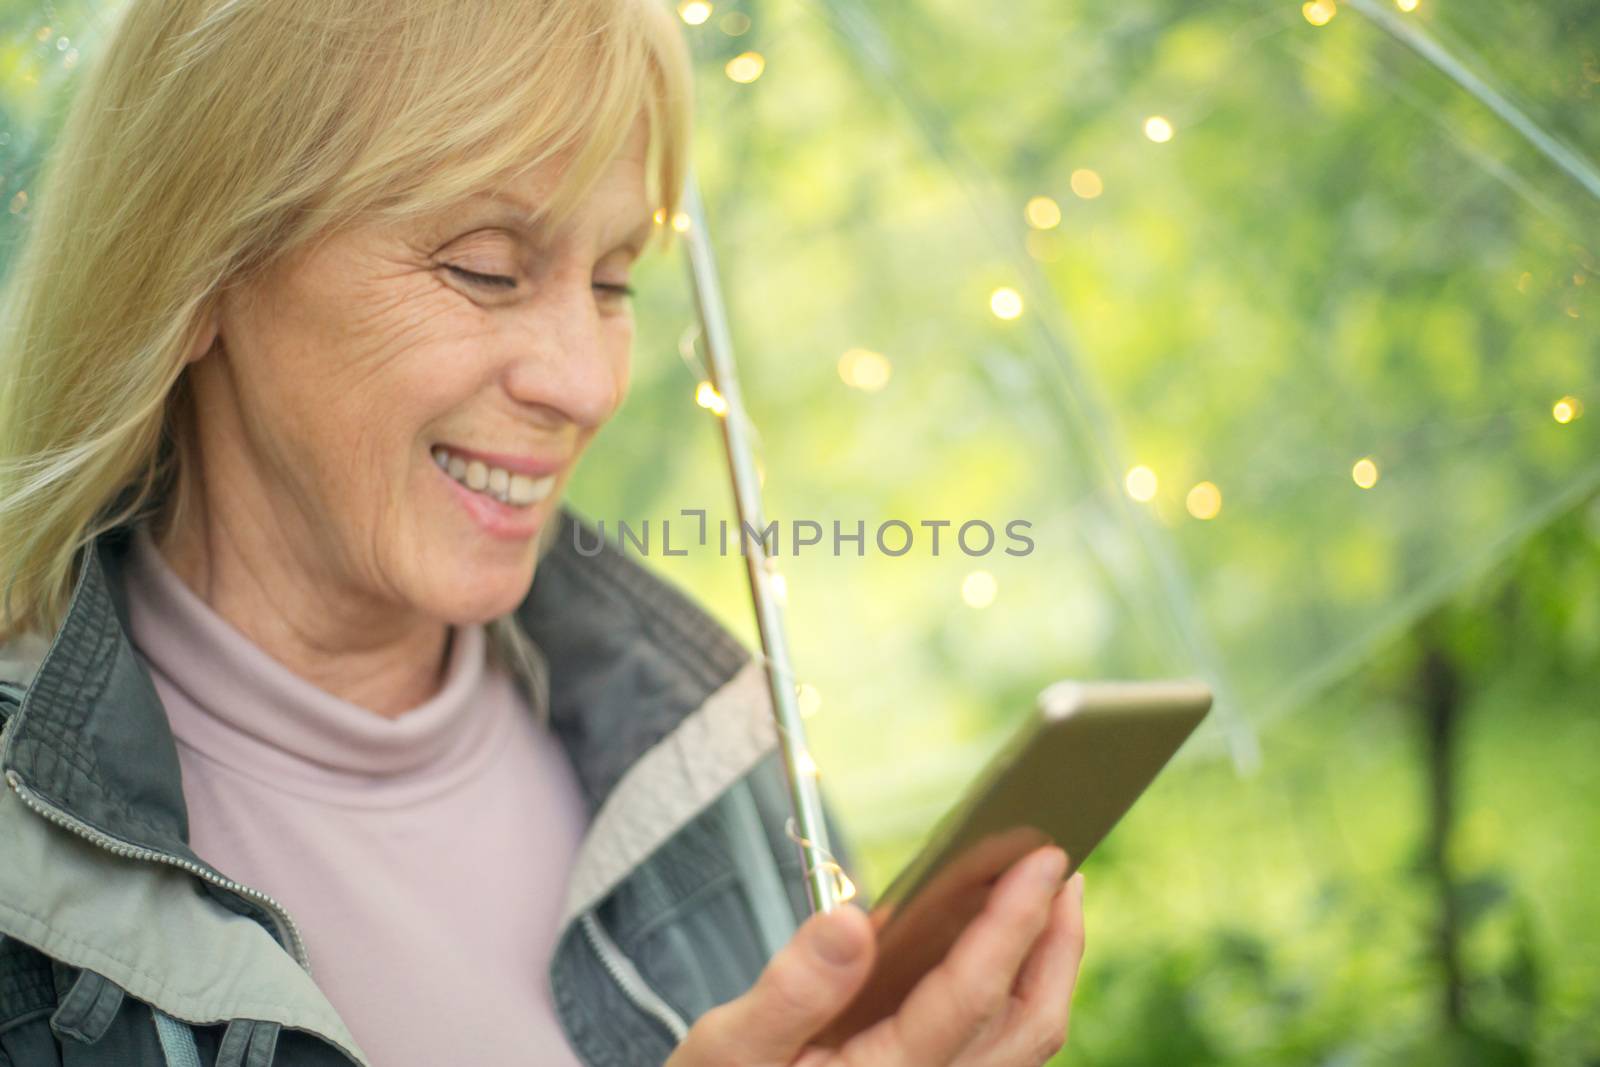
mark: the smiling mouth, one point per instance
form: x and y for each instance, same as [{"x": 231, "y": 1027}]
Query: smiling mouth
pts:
[{"x": 497, "y": 483}]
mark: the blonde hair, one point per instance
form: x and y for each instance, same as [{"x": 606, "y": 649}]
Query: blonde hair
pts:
[{"x": 216, "y": 136}]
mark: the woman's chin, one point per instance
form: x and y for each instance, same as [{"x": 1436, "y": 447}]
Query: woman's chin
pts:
[{"x": 478, "y": 595}]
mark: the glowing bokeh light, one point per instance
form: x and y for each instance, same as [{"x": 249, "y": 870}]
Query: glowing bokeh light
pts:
[
  {"x": 745, "y": 67},
  {"x": 1006, "y": 303},
  {"x": 1043, "y": 213},
  {"x": 1158, "y": 128},
  {"x": 1318, "y": 12},
  {"x": 1204, "y": 501},
  {"x": 694, "y": 12},
  {"x": 864, "y": 369},
  {"x": 1086, "y": 183},
  {"x": 978, "y": 589},
  {"x": 706, "y": 395},
  {"x": 1141, "y": 484}
]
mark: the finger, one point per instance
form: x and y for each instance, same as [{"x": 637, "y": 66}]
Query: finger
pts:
[
  {"x": 948, "y": 1007},
  {"x": 1051, "y": 969},
  {"x": 805, "y": 985},
  {"x": 1037, "y": 1028}
]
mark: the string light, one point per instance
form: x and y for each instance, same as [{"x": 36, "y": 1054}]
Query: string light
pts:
[
  {"x": 1006, "y": 303},
  {"x": 1365, "y": 472},
  {"x": 806, "y": 764},
  {"x": 706, "y": 395},
  {"x": 1086, "y": 183},
  {"x": 694, "y": 12},
  {"x": 1141, "y": 484},
  {"x": 660, "y": 216},
  {"x": 1567, "y": 409},
  {"x": 843, "y": 888},
  {"x": 1158, "y": 128},
  {"x": 1204, "y": 501},
  {"x": 1043, "y": 213},
  {"x": 1406, "y": 5},
  {"x": 745, "y": 67},
  {"x": 808, "y": 699},
  {"x": 735, "y": 24},
  {"x": 680, "y": 222},
  {"x": 780, "y": 588},
  {"x": 864, "y": 369},
  {"x": 1319, "y": 12},
  {"x": 978, "y": 589}
]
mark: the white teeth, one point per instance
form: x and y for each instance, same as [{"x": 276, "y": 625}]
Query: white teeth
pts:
[
  {"x": 525, "y": 490},
  {"x": 518, "y": 490}
]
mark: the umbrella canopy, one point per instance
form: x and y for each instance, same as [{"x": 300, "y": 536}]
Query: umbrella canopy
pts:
[
  {"x": 1215, "y": 340},
  {"x": 1273, "y": 322}
]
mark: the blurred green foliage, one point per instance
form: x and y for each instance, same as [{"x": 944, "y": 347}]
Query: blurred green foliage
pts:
[{"x": 1342, "y": 252}]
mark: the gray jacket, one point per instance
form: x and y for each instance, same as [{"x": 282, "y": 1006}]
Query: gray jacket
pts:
[{"x": 120, "y": 946}]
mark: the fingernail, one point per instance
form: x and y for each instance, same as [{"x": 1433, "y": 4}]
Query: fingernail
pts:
[
  {"x": 1051, "y": 867},
  {"x": 835, "y": 945},
  {"x": 1077, "y": 885}
]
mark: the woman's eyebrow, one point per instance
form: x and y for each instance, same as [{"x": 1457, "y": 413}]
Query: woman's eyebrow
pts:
[{"x": 515, "y": 214}]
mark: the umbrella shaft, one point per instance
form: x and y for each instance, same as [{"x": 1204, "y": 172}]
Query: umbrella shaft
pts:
[{"x": 810, "y": 829}]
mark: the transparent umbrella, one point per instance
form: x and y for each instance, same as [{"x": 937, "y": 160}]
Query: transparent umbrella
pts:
[{"x": 1271, "y": 324}]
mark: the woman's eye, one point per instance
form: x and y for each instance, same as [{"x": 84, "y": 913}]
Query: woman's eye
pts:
[
  {"x": 614, "y": 289},
  {"x": 493, "y": 281}
]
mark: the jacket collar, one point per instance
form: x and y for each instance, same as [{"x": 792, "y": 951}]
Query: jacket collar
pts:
[{"x": 629, "y": 659}]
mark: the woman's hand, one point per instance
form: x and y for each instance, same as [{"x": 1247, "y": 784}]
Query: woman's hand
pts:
[{"x": 1000, "y": 998}]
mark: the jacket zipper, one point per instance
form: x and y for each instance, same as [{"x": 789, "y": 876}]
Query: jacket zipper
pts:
[
  {"x": 289, "y": 933},
  {"x": 616, "y": 964},
  {"x": 629, "y": 980}
]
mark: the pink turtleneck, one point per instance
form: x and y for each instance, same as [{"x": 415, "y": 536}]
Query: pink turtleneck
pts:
[{"x": 424, "y": 858}]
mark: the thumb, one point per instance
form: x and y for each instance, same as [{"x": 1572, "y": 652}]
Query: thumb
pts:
[{"x": 805, "y": 985}]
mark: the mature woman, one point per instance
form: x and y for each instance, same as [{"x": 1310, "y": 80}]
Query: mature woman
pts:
[{"x": 321, "y": 304}]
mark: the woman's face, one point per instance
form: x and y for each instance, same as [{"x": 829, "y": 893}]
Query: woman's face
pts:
[{"x": 400, "y": 406}]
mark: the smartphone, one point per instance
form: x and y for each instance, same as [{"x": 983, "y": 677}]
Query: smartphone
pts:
[{"x": 1073, "y": 768}]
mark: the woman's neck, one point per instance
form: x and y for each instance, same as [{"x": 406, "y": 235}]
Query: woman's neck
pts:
[{"x": 255, "y": 575}]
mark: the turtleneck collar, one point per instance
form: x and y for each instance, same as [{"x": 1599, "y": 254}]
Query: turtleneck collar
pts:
[{"x": 237, "y": 705}]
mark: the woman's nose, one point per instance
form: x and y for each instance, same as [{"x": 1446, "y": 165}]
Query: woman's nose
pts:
[{"x": 567, "y": 360}]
